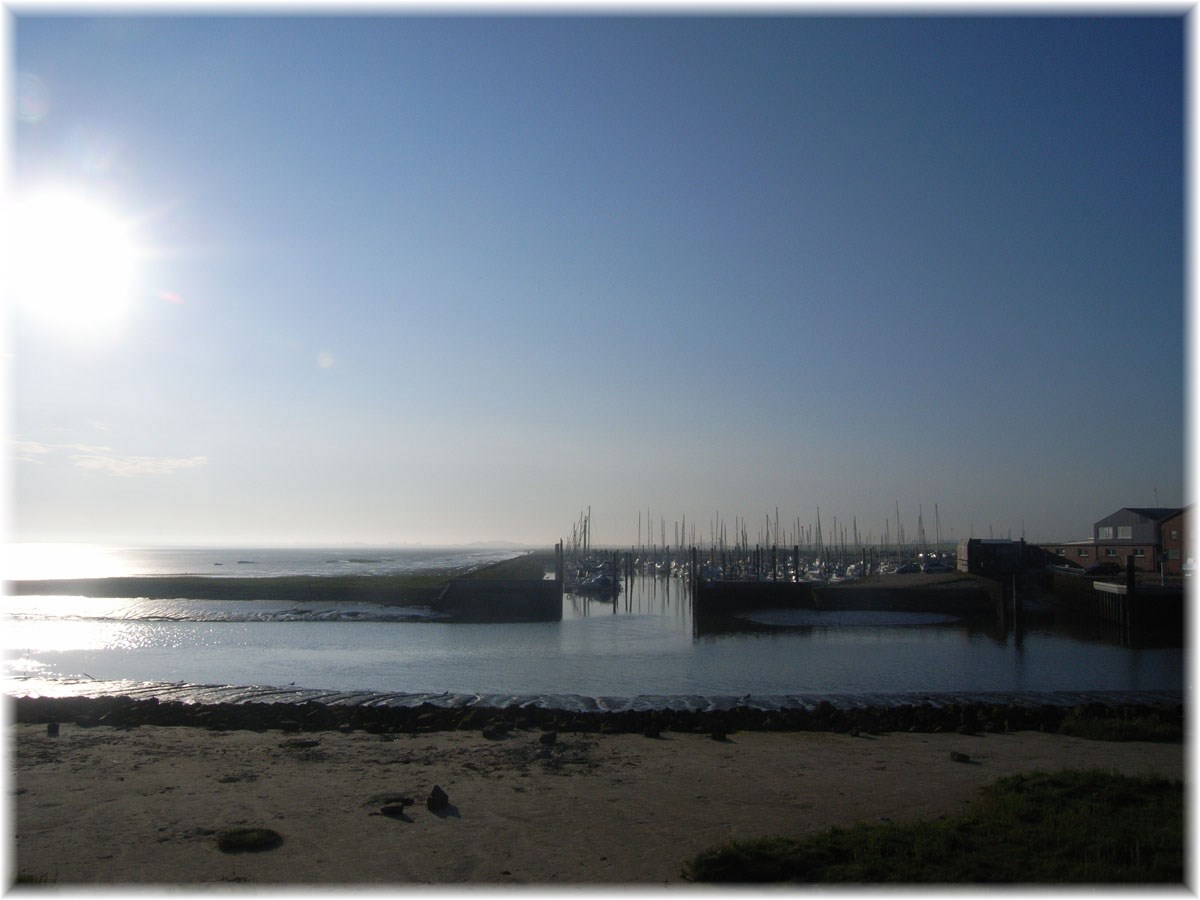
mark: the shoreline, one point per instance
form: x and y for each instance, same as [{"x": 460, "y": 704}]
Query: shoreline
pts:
[
  {"x": 104, "y": 805},
  {"x": 995, "y": 714}
]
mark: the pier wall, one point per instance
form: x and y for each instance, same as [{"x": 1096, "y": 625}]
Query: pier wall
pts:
[
  {"x": 501, "y": 600},
  {"x": 944, "y": 594},
  {"x": 976, "y": 599},
  {"x": 1148, "y": 606},
  {"x": 736, "y": 596}
]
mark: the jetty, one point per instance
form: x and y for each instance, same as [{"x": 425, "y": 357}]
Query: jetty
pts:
[{"x": 513, "y": 590}]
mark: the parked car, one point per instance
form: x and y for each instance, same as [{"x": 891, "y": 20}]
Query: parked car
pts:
[
  {"x": 937, "y": 568},
  {"x": 1066, "y": 568},
  {"x": 1104, "y": 568},
  {"x": 908, "y": 569}
]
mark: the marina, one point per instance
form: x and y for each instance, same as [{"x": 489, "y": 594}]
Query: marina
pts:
[{"x": 646, "y": 645}]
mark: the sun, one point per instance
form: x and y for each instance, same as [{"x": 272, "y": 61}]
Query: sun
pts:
[{"x": 75, "y": 260}]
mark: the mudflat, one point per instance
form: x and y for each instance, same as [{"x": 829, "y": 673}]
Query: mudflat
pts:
[{"x": 101, "y": 805}]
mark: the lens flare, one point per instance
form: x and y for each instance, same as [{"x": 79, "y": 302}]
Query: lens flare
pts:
[{"x": 75, "y": 261}]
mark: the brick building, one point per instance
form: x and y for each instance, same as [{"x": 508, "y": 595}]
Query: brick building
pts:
[
  {"x": 1178, "y": 544},
  {"x": 1145, "y": 533}
]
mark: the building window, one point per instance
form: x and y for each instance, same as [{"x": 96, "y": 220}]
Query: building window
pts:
[
  {"x": 1083, "y": 554},
  {"x": 1173, "y": 553},
  {"x": 1174, "y": 535},
  {"x": 1139, "y": 552},
  {"x": 1124, "y": 532},
  {"x": 1109, "y": 551},
  {"x": 1104, "y": 532},
  {"x": 1062, "y": 551}
]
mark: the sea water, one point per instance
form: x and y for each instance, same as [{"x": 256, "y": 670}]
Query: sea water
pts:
[{"x": 642, "y": 649}]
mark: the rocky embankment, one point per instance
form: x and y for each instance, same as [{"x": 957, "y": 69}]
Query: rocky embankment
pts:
[{"x": 966, "y": 718}]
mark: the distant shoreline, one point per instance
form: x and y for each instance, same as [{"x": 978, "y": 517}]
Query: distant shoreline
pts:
[
  {"x": 410, "y": 589},
  {"x": 389, "y": 590}
]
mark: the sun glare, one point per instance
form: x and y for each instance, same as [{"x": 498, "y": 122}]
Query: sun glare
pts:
[{"x": 75, "y": 261}]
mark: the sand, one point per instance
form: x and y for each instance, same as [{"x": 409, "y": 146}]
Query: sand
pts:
[{"x": 110, "y": 806}]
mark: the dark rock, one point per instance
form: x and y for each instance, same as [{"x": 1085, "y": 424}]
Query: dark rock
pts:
[
  {"x": 437, "y": 800},
  {"x": 495, "y": 731},
  {"x": 548, "y": 737},
  {"x": 240, "y": 840},
  {"x": 51, "y": 729},
  {"x": 300, "y": 743},
  {"x": 395, "y": 810},
  {"x": 718, "y": 734},
  {"x": 959, "y": 757}
]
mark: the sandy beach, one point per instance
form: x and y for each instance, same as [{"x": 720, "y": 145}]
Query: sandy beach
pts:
[{"x": 103, "y": 805}]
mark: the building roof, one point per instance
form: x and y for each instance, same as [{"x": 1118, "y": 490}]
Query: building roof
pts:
[{"x": 1157, "y": 513}]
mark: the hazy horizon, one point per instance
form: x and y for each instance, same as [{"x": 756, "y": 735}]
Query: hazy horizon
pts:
[{"x": 401, "y": 280}]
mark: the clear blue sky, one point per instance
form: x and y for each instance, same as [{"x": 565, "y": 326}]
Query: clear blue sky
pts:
[{"x": 408, "y": 279}]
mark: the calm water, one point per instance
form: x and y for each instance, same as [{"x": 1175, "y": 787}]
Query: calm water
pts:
[{"x": 644, "y": 649}]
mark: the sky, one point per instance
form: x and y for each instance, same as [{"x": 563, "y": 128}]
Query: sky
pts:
[{"x": 396, "y": 278}]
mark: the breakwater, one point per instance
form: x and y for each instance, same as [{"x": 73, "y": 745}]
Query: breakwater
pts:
[
  {"x": 500, "y": 600},
  {"x": 396, "y": 590},
  {"x": 927, "y": 713},
  {"x": 953, "y": 594},
  {"x": 512, "y": 590}
]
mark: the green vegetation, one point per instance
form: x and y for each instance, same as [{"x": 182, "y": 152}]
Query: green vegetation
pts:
[
  {"x": 291, "y": 588},
  {"x": 26, "y": 878},
  {"x": 520, "y": 567},
  {"x": 1081, "y": 827},
  {"x": 238, "y": 840},
  {"x": 1142, "y": 727},
  {"x": 414, "y": 589}
]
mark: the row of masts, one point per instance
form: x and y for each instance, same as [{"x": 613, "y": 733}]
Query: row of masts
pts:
[{"x": 840, "y": 541}]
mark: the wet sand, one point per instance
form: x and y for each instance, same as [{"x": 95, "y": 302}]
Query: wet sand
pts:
[{"x": 103, "y": 805}]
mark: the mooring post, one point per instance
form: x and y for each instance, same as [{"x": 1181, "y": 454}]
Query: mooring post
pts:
[{"x": 1130, "y": 590}]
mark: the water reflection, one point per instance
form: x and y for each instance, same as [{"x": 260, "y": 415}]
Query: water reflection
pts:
[
  {"x": 671, "y": 597},
  {"x": 647, "y": 641}
]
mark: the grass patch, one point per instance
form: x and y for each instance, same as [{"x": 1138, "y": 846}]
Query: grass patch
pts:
[
  {"x": 527, "y": 566},
  {"x": 1077, "y": 827},
  {"x": 27, "y": 878},
  {"x": 241, "y": 840},
  {"x": 1081, "y": 724}
]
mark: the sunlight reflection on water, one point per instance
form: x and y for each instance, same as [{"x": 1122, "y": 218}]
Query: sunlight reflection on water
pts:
[{"x": 33, "y": 561}]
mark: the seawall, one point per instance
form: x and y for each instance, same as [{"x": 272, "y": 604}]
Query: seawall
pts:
[
  {"x": 500, "y": 600},
  {"x": 953, "y": 593},
  {"x": 507, "y": 591}
]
